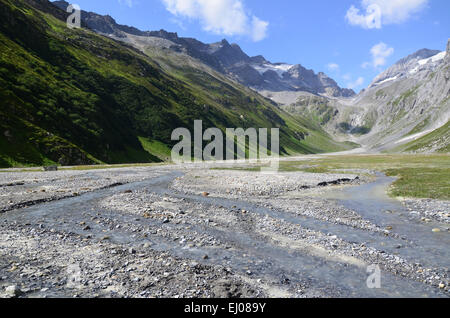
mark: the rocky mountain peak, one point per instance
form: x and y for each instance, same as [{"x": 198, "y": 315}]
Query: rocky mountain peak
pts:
[
  {"x": 171, "y": 36},
  {"x": 424, "y": 59},
  {"x": 258, "y": 59},
  {"x": 229, "y": 54},
  {"x": 419, "y": 55}
]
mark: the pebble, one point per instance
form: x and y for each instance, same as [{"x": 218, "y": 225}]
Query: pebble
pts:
[{"x": 13, "y": 291}]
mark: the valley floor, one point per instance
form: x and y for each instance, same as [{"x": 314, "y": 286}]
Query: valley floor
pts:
[{"x": 210, "y": 230}]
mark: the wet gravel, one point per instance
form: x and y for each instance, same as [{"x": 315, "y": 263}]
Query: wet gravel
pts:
[
  {"x": 428, "y": 209},
  {"x": 174, "y": 232}
]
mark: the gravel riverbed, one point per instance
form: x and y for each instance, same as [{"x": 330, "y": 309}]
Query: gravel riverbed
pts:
[{"x": 191, "y": 231}]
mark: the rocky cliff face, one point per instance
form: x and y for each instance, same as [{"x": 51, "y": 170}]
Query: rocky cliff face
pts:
[{"x": 409, "y": 66}]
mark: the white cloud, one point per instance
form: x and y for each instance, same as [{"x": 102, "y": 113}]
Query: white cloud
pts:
[
  {"x": 365, "y": 65},
  {"x": 333, "y": 67},
  {"x": 227, "y": 17},
  {"x": 129, "y": 3},
  {"x": 376, "y": 13},
  {"x": 380, "y": 53},
  {"x": 347, "y": 77},
  {"x": 259, "y": 29},
  {"x": 359, "y": 82}
]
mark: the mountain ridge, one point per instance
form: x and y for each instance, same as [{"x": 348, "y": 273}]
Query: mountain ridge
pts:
[
  {"x": 406, "y": 65},
  {"x": 255, "y": 72}
]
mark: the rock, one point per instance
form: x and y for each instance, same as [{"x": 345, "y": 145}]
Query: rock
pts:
[
  {"x": 436, "y": 230},
  {"x": 205, "y": 257},
  {"x": 389, "y": 228},
  {"x": 50, "y": 168},
  {"x": 166, "y": 220},
  {"x": 13, "y": 291},
  {"x": 441, "y": 285},
  {"x": 205, "y": 194}
]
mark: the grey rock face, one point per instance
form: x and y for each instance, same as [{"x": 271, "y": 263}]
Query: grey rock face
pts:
[{"x": 404, "y": 67}]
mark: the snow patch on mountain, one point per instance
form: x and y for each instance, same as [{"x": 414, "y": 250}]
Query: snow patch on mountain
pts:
[
  {"x": 280, "y": 69},
  {"x": 434, "y": 59},
  {"x": 387, "y": 80}
]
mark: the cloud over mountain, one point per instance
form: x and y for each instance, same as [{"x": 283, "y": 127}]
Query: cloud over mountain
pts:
[
  {"x": 227, "y": 17},
  {"x": 376, "y": 13}
]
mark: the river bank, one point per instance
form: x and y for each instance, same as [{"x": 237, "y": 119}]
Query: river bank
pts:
[{"x": 192, "y": 231}]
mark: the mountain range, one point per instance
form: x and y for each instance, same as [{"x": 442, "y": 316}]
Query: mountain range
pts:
[
  {"x": 109, "y": 93},
  {"x": 229, "y": 59},
  {"x": 73, "y": 96},
  {"x": 364, "y": 114}
]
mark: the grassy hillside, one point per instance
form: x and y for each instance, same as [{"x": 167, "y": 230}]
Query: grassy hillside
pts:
[
  {"x": 75, "y": 97},
  {"x": 436, "y": 141}
]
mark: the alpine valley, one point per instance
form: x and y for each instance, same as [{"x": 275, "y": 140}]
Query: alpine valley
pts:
[
  {"x": 92, "y": 204},
  {"x": 109, "y": 93}
]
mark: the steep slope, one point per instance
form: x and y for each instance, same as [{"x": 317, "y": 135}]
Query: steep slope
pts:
[
  {"x": 75, "y": 97},
  {"x": 229, "y": 59},
  {"x": 436, "y": 141}
]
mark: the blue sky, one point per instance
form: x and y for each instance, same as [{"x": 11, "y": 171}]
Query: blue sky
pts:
[{"x": 350, "y": 40}]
